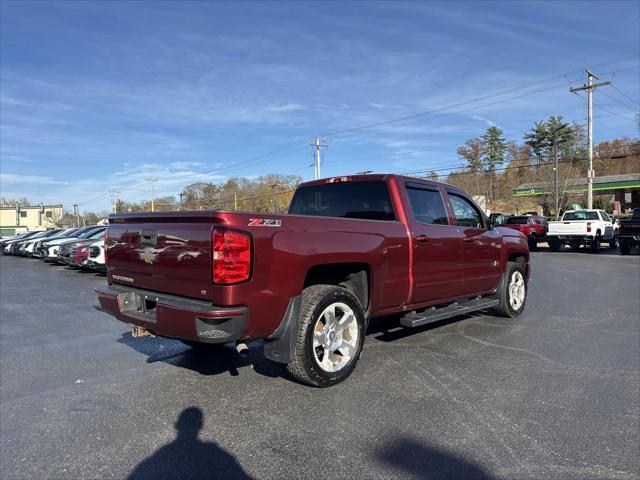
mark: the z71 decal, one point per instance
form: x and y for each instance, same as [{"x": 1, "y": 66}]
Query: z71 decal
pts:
[{"x": 264, "y": 222}]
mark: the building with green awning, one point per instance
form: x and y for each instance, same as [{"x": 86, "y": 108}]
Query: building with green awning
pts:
[{"x": 625, "y": 188}]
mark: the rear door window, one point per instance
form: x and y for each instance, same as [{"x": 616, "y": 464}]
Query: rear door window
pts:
[
  {"x": 427, "y": 206},
  {"x": 467, "y": 215}
]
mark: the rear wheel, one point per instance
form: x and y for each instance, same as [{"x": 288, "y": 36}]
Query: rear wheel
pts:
[
  {"x": 330, "y": 336},
  {"x": 512, "y": 292},
  {"x": 533, "y": 242},
  {"x": 595, "y": 244},
  {"x": 612, "y": 244},
  {"x": 554, "y": 244}
]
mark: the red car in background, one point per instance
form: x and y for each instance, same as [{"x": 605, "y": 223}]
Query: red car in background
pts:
[{"x": 534, "y": 227}]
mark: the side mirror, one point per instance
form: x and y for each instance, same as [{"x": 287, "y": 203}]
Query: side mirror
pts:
[{"x": 496, "y": 221}]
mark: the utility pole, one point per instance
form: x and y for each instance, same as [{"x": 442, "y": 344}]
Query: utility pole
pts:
[
  {"x": 77, "y": 214},
  {"x": 317, "y": 145},
  {"x": 114, "y": 201},
  {"x": 181, "y": 195},
  {"x": 590, "y": 87},
  {"x": 273, "y": 201},
  {"x": 151, "y": 180},
  {"x": 555, "y": 177}
]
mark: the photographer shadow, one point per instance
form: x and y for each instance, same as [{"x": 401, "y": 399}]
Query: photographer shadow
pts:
[{"x": 188, "y": 457}]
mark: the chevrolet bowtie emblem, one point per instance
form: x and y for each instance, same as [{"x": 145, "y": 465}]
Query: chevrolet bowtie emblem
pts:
[{"x": 149, "y": 256}]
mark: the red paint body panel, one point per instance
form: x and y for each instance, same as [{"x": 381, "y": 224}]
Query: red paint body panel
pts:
[{"x": 403, "y": 272}]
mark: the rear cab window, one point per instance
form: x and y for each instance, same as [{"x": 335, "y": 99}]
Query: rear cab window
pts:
[
  {"x": 580, "y": 215},
  {"x": 368, "y": 200}
]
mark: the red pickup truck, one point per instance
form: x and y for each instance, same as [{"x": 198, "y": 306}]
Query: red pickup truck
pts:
[
  {"x": 308, "y": 282},
  {"x": 533, "y": 227}
]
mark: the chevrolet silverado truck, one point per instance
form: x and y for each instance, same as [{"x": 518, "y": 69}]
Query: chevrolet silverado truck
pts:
[
  {"x": 629, "y": 232},
  {"x": 581, "y": 227},
  {"x": 307, "y": 283}
]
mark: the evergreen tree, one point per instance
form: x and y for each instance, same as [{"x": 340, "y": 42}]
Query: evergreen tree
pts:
[
  {"x": 493, "y": 154},
  {"x": 537, "y": 139}
]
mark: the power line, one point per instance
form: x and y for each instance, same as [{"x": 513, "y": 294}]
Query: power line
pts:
[
  {"x": 620, "y": 102},
  {"x": 391, "y": 124},
  {"x": 635, "y": 101},
  {"x": 507, "y": 167},
  {"x": 478, "y": 99}
]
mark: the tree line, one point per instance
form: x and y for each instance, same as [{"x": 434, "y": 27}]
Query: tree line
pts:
[{"x": 495, "y": 166}]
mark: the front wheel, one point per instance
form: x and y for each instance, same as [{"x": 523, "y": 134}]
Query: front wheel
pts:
[
  {"x": 512, "y": 292},
  {"x": 533, "y": 243},
  {"x": 625, "y": 248},
  {"x": 330, "y": 336}
]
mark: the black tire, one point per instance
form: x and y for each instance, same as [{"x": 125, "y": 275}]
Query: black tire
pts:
[
  {"x": 532, "y": 241},
  {"x": 625, "y": 248},
  {"x": 505, "y": 308},
  {"x": 595, "y": 244},
  {"x": 554, "y": 245},
  {"x": 613, "y": 244},
  {"x": 304, "y": 366}
]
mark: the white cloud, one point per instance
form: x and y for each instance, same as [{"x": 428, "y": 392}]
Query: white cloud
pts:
[{"x": 488, "y": 122}]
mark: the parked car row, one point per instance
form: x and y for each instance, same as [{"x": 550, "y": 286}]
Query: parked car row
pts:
[
  {"x": 576, "y": 228},
  {"x": 77, "y": 247}
]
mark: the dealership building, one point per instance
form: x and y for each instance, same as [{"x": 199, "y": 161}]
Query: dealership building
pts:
[{"x": 14, "y": 220}]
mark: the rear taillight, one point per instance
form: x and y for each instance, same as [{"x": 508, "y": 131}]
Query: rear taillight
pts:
[
  {"x": 105, "y": 245},
  {"x": 588, "y": 227},
  {"x": 231, "y": 256}
]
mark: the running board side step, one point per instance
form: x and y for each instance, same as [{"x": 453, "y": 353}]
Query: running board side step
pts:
[{"x": 434, "y": 314}]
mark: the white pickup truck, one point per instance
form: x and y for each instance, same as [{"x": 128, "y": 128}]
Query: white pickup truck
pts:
[{"x": 581, "y": 227}]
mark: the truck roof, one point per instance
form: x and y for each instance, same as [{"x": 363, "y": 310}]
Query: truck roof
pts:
[{"x": 369, "y": 177}]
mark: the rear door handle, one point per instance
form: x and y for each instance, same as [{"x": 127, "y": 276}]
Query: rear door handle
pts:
[{"x": 422, "y": 238}]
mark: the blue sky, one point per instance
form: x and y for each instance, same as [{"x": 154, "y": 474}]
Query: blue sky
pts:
[{"x": 96, "y": 96}]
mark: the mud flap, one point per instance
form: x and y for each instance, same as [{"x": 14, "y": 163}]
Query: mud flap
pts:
[{"x": 281, "y": 344}]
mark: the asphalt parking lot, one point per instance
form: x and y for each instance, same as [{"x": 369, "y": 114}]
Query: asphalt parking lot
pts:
[{"x": 554, "y": 394}]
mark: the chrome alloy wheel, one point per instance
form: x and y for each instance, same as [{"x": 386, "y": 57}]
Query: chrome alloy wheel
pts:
[
  {"x": 517, "y": 291},
  {"x": 335, "y": 337}
]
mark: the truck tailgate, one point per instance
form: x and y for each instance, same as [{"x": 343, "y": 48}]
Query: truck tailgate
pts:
[
  {"x": 165, "y": 256},
  {"x": 575, "y": 227}
]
